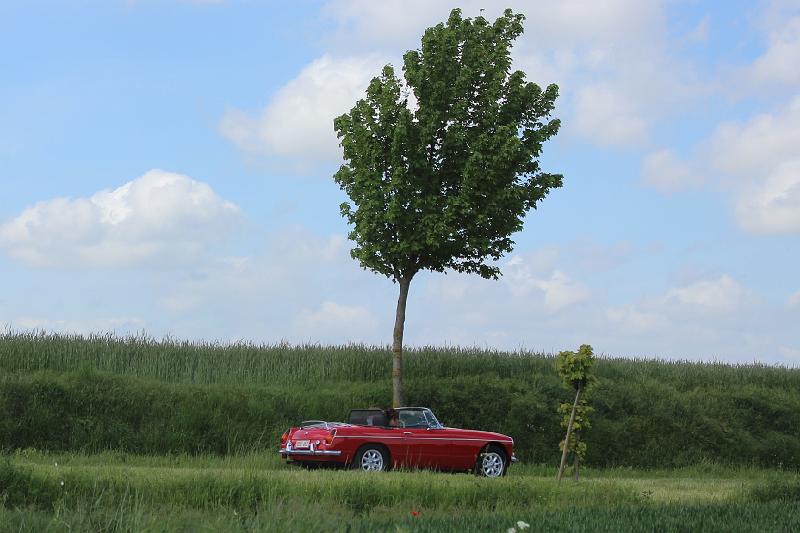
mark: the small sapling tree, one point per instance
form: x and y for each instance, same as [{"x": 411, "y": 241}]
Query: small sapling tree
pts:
[
  {"x": 575, "y": 368},
  {"x": 577, "y": 444},
  {"x": 443, "y": 183}
]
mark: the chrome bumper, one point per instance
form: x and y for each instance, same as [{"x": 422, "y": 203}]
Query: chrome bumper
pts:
[
  {"x": 288, "y": 450},
  {"x": 514, "y": 458}
]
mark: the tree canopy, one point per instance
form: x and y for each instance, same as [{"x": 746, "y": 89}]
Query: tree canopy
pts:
[
  {"x": 441, "y": 165},
  {"x": 575, "y": 368}
]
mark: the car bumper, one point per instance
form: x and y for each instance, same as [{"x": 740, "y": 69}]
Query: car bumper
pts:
[
  {"x": 514, "y": 458},
  {"x": 288, "y": 450}
]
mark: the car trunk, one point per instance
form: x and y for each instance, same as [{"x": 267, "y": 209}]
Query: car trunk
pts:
[{"x": 303, "y": 438}]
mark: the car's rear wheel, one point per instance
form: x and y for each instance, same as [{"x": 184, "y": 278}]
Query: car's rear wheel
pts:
[
  {"x": 492, "y": 462},
  {"x": 372, "y": 458}
]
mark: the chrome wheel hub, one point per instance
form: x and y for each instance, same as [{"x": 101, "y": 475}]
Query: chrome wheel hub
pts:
[
  {"x": 372, "y": 461},
  {"x": 492, "y": 464}
]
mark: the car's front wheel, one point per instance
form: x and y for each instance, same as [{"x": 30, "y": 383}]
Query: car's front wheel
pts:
[
  {"x": 491, "y": 463},
  {"x": 371, "y": 458}
]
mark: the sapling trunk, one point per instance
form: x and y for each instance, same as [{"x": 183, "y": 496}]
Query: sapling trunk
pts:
[
  {"x": 397, "y": 344},
  {"x": 569, "y": 430}
]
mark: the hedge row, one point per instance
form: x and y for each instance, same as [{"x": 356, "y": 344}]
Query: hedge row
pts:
[{"x": 642, "y": 423}]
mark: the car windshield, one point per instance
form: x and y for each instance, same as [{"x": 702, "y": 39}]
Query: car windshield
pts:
[{"x": 418, "y": 418}]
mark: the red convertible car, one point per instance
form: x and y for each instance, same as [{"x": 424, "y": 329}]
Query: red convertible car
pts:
[{"x": 412, "y": 437}]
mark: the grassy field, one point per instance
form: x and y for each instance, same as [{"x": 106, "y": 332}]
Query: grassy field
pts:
[
  {"x": 107, "y": 434},
  {"x": 119, "y": 492}
]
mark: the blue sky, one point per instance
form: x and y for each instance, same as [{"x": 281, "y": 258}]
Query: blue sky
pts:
[{"x": 166, "y": 167}]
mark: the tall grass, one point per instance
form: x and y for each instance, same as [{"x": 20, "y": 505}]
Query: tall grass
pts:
[{"x": 209, "y": 362}]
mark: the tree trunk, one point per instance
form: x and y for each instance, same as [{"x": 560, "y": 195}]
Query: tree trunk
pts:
[
  {"x": 577, "y": 463},
  {"x": 569, "y": 430},
  {"x": 397, "y": 344}
]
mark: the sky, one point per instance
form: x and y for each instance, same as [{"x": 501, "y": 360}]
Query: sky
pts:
[{"x": 166, "y": 168}]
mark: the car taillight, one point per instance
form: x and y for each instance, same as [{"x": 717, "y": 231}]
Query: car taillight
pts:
[
  {"x": 330, "y": 436},
  {"x": 284, "y": 437}
]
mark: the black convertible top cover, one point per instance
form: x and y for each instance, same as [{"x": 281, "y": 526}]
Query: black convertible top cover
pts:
[{"x": 368, "y": 417}]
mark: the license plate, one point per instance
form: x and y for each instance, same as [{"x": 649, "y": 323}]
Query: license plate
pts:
[{"x": 302, "y": 443}]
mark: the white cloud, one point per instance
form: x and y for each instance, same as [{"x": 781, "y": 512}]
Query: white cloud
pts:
[
  {"x": 558, "y": 289},
  {"x": 555, "y": 22},
  {"x": 758, "y": 158},
  {"x": 723, "y": 294},
  {"x": 350, "y": 321},
  {"x": 762, "y": 156},
  {"x": 713, "y": 318},
  {"x": 539, "y": 261},
  {"x": 700, "y": 32},
  {"x": 779, "y": 63},
  {"x": 751, "y": 150},
  {"x": 534, "y": 292},
  {"x": 159, "y": 216},
  {"x": 773, "y": 206},
  {"x": 561, "y": 37},
  {"x": 224, "y": 277},
  {"x": 678, "y": 308},
  {"x": 298, "y": 120},
  {"x": 604, "y": 114},
  {"x": 629, "y": 316},
  {"x": 286, "y": 269},
  {"x": 793, "y": 354},
  {"x": 794, "y": 300},
  {"x": 120, "y": 326},
  {"x": 388, "y": 23},
  {"x": 683, "y": 315},
  {"x": 665, "y": 171},
  {"x": 299, "y": 287}
]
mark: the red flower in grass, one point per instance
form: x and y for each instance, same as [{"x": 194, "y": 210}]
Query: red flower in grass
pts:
[{"x": 414, "y": 513}]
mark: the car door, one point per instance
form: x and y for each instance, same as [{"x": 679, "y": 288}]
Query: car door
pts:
[{"x": 423, "y": 450}]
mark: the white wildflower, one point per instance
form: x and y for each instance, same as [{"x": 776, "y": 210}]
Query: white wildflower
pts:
[{"x": 523, "y": 525}]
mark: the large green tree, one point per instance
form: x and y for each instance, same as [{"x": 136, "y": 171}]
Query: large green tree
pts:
[{"x": 442, "y": 165}]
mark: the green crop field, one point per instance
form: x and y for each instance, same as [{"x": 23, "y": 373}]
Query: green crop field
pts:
[{"x": 109, "y": 434}]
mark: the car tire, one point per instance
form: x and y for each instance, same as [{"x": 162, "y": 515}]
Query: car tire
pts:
[
  {"x": 491, "y": 462},
  {"x": 371, "y": 458}
]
